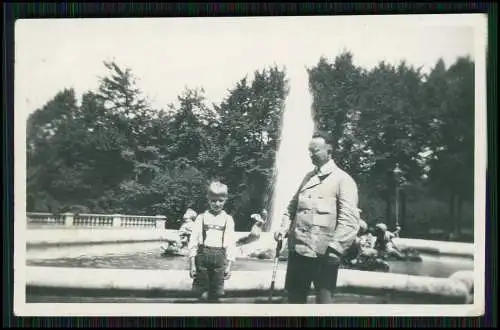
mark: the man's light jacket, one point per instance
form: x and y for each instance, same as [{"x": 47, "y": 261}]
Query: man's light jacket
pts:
[{"x": 323, "y": 213}]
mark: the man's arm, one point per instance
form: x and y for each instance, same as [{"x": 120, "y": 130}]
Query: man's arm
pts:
[
  {"x": 347, "y": 216},
  {"x": 288, "y": 215}
]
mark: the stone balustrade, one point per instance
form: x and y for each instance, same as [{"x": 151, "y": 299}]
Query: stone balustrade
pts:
[
  {"x": 45, "y": 218},
  {"x": 96, "y": 220},
  {"x": 113, "y": 228}
]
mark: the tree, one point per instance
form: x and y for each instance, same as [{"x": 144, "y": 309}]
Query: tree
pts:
[
  {"x": 451, "y": 138},
  {"x": 337, "y": 90},
  {"x": 250, "y": 123},
  {"x": 389, "y": 123},
  {"x": 374, "y": 118},
  {"x": 49, "y": 132}
]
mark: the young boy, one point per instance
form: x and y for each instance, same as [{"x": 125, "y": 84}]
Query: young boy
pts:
[{"x": 212, "y": 245}]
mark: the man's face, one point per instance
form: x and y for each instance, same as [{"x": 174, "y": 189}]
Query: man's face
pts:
[
  {"x": 216, "y": 203},
  {"x": 319, "y": 151},
  {"x": 186, "y": 217}
]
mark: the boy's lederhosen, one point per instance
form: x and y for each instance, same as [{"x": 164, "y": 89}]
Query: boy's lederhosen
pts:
[{"x": 210, "y": 265}]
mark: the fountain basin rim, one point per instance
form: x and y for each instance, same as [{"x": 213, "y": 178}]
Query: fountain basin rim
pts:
[
  {"x": 241, "y": 282},
  {"x": 443, "y": 248}
]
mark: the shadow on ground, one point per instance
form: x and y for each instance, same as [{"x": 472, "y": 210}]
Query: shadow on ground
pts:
[{"x": 339, "y": 299}]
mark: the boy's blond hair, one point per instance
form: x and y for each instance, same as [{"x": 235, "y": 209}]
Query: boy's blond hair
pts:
[{"x": 217, "y": 189}]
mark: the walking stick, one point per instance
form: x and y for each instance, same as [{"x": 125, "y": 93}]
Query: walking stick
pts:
[{"x": 275, "y": 266}]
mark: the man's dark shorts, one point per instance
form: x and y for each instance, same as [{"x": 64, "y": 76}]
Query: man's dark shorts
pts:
[{"x": 302, "y": 271}]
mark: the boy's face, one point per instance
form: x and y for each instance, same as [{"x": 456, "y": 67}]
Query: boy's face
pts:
[{"x": 216, "y": 203}]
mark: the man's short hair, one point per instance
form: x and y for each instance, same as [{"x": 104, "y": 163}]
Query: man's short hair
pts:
[
  {"x": 217, "y": 189},
  {"x": 324, "y": 135}
]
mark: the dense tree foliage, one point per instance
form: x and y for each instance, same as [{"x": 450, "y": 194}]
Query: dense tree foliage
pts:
[
  {"x": 113, "y": 153},
  {"x": 395, "y": 115}
]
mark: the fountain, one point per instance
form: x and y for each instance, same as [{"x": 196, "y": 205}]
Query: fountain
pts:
[
  {"x": 292, "y": 159},
  {"x": 132, "y": 271}
]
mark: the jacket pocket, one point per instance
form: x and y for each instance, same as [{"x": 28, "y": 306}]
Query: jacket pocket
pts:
[{"x": 326, "y": 205}]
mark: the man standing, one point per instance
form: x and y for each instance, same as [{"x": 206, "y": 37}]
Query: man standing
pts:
[{"x": 321, "y": 222}]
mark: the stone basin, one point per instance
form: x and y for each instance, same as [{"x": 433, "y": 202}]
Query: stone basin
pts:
[{"x": 112, "y": 265}]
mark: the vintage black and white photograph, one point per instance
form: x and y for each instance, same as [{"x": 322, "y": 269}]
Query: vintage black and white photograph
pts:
[{"x": 237, "y": 166}]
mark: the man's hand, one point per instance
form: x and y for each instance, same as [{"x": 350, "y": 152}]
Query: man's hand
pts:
[
  {"x": 333, "y": 255},
  {"x": 192, "y": 272},
  {"x": 278, "y": 235},
  {"x": 281, "y": 233}
]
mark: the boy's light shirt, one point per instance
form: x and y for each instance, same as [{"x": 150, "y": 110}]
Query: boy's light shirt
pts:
[{"x": 213, "y": 236}]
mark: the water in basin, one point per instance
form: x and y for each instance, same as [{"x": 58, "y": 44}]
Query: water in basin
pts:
[{"x": 148, "y": 256}]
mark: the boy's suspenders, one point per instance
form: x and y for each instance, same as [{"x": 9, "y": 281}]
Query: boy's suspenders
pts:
[{"x": 204, "y": 229}]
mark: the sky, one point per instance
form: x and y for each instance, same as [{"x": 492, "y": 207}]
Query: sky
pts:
[{"x": 169, "y": 54}]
